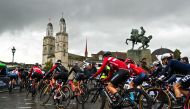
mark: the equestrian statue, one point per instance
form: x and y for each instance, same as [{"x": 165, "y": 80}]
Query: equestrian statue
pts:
[{"x": 139, "y": 38}]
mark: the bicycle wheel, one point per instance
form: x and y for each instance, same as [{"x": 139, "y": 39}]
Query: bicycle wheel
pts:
[
  {"x": 97, "y": 99},
  {"x": 46, "y": 94},
  {"x": 83, "y": 96},
  {"x": 29, "y": 90},
  {"x": 134, "y": 98},
  {"x": 10, "y": 87},
  {"x": 21, "y": 86},
  {"x": 160, "y": 99},
  {"x": 65, "y": 97}
]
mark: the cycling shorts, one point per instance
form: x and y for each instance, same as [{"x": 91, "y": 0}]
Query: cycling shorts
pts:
[
  {"x": 23, "y": 75},
  {"x": 121, "y": 76},
  {"x": 37, "y": 76},
  {"x": 81, "y": 76},
  {"x": 140, "y": 78},
  {"x": 62, "y": 76},
  {"x": 13, "y": 76},
  {"x": 185, "y": 81}
]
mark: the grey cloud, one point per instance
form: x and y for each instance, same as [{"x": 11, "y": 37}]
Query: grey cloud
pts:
[{"x": 16, "y": 14}]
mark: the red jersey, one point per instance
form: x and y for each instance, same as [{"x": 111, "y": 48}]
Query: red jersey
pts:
[
  {"x": 135, "y": 69},
  {"x": 114, "y": 64},
  {"x": 35, "y": 69}
]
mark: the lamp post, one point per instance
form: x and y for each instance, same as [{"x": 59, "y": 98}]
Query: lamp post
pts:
[{"x": 13, "y": 51}]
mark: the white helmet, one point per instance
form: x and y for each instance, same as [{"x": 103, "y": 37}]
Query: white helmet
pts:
[
  {"x": 156, "y": 63},
  {"x": 167, "y": 55},
  {"x": 85, "y": 64}
]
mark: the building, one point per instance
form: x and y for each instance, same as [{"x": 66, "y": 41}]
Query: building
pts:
[
  {"x": 99, "y": 56},
  {"x": 55, "y": 48}
]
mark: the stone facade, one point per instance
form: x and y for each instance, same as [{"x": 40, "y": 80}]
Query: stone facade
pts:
[{"x": 138, "y": 55}]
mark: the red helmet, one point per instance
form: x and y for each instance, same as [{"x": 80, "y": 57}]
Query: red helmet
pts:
[{"x": 129, "y": 61}]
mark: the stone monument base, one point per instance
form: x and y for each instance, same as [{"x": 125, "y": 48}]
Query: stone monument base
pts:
[{"x": 138, "y": 55}]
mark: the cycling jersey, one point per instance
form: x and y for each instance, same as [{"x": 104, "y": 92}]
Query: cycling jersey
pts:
[
  {"x": 135, "y": 69},
  {"x": 35, "y": 69},
  {"x": 61, "y": 72},
  {"x": 76, "y": 69},
  {"x": 175, "y": 66},
  {"x": 113, "y": 63},
  {"x": 59, "y": 68}
]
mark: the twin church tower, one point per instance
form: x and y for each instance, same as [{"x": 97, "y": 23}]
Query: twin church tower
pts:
[{"x": 55, "y": 47}]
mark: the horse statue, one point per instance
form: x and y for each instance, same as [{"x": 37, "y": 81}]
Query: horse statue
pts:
[{"x": 139, "y": 38}]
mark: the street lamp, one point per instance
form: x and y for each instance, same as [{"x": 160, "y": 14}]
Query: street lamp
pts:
[{"x": 13, "y": 51}]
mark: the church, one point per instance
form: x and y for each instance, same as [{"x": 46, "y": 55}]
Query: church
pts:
[{"x": 56, "y": 47}]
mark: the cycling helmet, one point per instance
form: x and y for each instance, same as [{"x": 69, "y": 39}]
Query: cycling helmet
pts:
[
  {"x": 85, "y": 64},
  {"x": 58, "y": 61},
  {"x": 156, "y": 63},
  {"x": 129, "y": 61},
  {"x": 36, "y": 64},
  {"x": 107, "y": 53}
]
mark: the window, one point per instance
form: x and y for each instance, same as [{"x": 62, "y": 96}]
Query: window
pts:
[{"x": 100, "y": 57}]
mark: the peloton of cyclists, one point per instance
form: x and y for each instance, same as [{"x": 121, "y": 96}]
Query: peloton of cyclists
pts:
[{"x": 176, "y": 67}]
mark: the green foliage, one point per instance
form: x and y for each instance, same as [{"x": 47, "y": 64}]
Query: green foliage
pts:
[
  {"x": 177, "y": 54},
  {"x": 48, "y": 66}
]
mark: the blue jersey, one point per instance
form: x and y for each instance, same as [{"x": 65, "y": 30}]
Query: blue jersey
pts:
[{"x": 175, "y": 66}]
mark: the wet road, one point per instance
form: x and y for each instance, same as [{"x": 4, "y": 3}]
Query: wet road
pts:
[{"x": 18, "y": 100}]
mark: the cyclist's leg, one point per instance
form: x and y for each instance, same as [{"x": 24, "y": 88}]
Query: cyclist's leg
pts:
[
  {"x": 138, "y": 80},
  {"x": 180, "y": 86},
  {"x": 120, "y": 76}
]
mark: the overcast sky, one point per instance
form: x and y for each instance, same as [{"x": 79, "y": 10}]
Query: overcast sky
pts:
[{"x": 106, "y": 24}]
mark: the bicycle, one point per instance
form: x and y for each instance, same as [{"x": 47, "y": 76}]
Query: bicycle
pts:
[
  {"x": 80, "y": 91},
  {"x": 23, "y": 84},
  {"x": 32, "y": 88},
  {"x": 62, "y": 90},
  {"x": 128, "y": 101}
]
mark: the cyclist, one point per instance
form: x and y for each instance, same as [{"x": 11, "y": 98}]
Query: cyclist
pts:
[
  {"x": 76, "y": 69},
  {"x": 60, "y": 73},
  {"x": 157, "y": 68},
  {"x": 13, "y": 76},
  {"x": 185, "y": 60},
  {"x": 93, "y": 68},
  {"x": 35, "y": 74},
  {"x": 136, "y": 71},
  {"x": 121, "y": 73},
  {"x": 173, "y": 66},
  {"x": 105, "y": 72}
]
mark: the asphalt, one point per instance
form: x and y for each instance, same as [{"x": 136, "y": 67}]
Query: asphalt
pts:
[{"x": 18, "y": 100}]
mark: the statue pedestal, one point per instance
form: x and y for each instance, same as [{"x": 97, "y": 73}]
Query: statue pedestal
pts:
[{"x": 138, "y": 55}]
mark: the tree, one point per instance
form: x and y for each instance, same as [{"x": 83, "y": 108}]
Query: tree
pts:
[
  {"x": 48, "y": 65},
  {"x": 177, "y": 54}
]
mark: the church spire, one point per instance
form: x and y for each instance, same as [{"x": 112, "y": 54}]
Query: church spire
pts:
[
  {"x": 49, "y": 30},
  {"x": 62, "y": 24},
  {"x": 86, "y": 50}
]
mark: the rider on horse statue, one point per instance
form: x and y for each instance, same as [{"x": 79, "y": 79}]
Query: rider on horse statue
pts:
[{"x": 136, "y": 37}]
